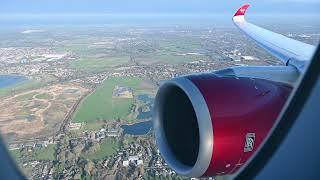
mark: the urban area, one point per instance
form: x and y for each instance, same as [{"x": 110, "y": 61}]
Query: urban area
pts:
[{"x": 76, "y": 101}]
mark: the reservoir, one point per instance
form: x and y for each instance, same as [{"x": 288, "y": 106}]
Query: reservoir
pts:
[
  {"x": 148, "y": 104},
  {"x": 140, "y": 128},
  {"x": 145, "y": 113},
  {"x": 145, "y": 98},
  {"x": 10, "y": 80}
]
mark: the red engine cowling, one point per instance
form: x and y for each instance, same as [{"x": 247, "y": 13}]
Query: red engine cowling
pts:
[{"x": 208, "y": 125}]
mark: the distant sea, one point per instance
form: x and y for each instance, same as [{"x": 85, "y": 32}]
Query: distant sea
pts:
[{"x": 10, "y": 80}]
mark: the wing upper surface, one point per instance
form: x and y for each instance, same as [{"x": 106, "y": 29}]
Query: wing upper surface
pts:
[{"x": 282, "y": 47}]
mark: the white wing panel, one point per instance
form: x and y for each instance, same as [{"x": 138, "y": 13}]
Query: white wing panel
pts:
[{"x": 282, "y": 47}]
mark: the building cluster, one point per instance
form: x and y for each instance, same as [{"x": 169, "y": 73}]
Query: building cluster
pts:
[
  {"x": 134, "y": 160},
  {"x": 133, "y": 155},
  {"x": 41, "y": 170},
  {"x": 163, "y": 71},
  {"x": 103, "y": 133},
  {"x": 42, "y": 68},
  {"x": 25, "y": 55},
  {"x": 75, "y": 126},
  {"x": 94, "y": 136},
  {"x": 31, "y": 145},
  {"x": 122, "y": 92},
  {"x": 47, "y": 172},
  {"x": 220, "y": 49}
]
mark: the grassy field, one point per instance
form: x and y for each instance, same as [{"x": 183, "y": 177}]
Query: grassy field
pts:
[
  {"x": 96, "y": 64},
  {"x": 173, "y": 51},
  {"x": 22, "y": 85},
  {"x": 46, "y": 153},
  {"x": 171, "y": 59},
  {"x": 80, "y": 47},
  {"x": 101, "y": 106},
  {"x": 129, "y": 140},
  {"x": 26, "y": 85},
  {"x": 44, "y": 96},
  {"x": 15, "y": 154},
  {"x": 179, "y": 46},
  {"x": 26, "y": 97},
  {"x": 93, "y": 126},
  {"x": 107, "y": 148}
]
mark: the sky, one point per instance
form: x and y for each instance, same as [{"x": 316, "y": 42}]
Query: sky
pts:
[
  {"x": 45, "y": 12},
  {"x": 11, "y": 7}
]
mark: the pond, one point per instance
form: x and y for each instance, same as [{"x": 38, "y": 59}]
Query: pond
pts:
[
  {"x": 145, "y": 98},
  {"x": 140, "y": 128},
  {"x": 148, "y": 104}
]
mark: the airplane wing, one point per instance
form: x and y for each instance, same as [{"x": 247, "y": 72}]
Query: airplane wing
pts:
[{"x": 289, "y": 51}]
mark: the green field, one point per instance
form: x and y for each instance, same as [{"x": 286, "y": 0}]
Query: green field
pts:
[
  {"x": 101, "y": 106},
  {"x": 44, "y": 96},
  {"x": 107, "y": 148},
  {"x": 15, "y": 154},
  {"x": 173, "y": 51},
  {"x": 93, "y": 126},
  {"x": 80, "y": 47},
  {"x": 26, "y": 97},
  {"x": 173, "y": 59},
  {"x": 19, "y": 86},
  {"x": 179, "y": 46},
  {"x": 96, "y": 64},
  {"x": 26, "y": 85},
  {"x": 46, "y": 153}
]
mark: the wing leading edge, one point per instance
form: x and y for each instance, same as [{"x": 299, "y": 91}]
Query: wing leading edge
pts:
[{"x": 289, "y": 51}]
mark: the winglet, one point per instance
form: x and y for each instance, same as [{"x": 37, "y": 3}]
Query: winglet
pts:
[{"x": 242, "y": 10}]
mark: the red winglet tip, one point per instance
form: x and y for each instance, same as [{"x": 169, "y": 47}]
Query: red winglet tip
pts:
[{"x": 242, "y": 11}]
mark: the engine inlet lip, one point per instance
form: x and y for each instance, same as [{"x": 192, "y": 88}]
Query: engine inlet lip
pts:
[{"x": 204, "y": 123}]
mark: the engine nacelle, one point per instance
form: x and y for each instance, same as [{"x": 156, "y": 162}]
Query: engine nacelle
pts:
[{"x": 209, "y": 125}]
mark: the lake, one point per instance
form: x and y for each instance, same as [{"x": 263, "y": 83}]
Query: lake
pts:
[
  {"x": 145, "y": 115},
  {"x": 140, "y": 128},
  {"x": 145, "y": 98},
  {"x": 148, "y": 101},
  {"x": 10, "y": 80}
]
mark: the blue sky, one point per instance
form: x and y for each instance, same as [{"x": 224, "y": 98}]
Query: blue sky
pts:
[{"x": 155, "y": 6}]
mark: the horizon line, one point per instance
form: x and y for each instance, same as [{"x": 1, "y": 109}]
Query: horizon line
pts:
[{"x": 150, "y": 14}]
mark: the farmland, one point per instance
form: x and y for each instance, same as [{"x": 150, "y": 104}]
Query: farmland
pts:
[
  {"x": 96, "y": 64},
  {"x": 101, "y": 106},
  {"x": 107, "y": 148},
  {"x": 45, "y": 153}
]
